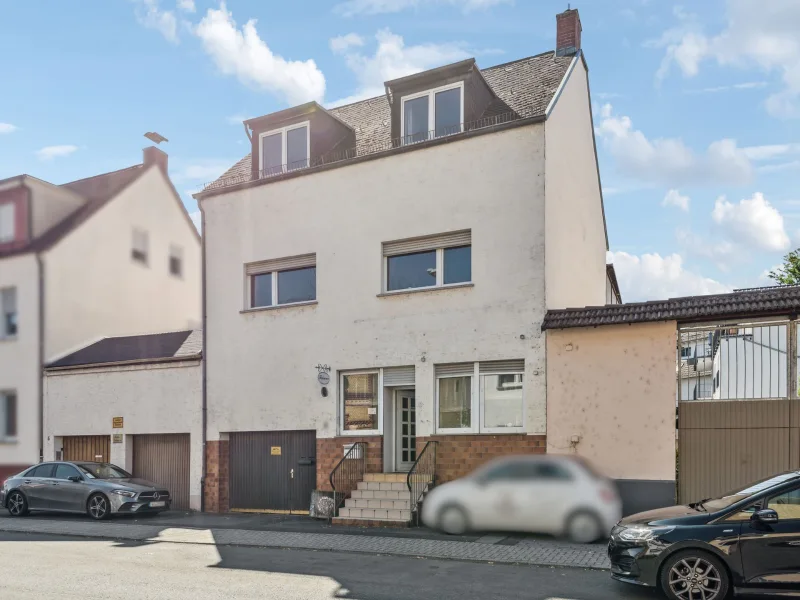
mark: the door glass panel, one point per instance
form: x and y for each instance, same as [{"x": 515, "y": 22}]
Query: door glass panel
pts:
[
  {"x": 297, "y": 148},
  {"x": 297, "y": 285},
  {"x": 272, "y": 154},
  {"x": 65, "y": 472},
  {"x": 502, "y": 403},
  {"x": 448, "y": 112},
  {"x": 458, "y": 264},
  {"x": 360, "y": 397},
  {"x": 43, "y": 471},
  {"x": 411, "y": 271},
  {"x": 415, "y": 120},
  {"x": 455, "y": 402},
  {"x": 787, "y": 505}
]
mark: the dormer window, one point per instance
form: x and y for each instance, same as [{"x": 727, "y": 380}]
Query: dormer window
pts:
[
  {"x": 284, "y": 149},
  {"x": 433, "y": 113}
]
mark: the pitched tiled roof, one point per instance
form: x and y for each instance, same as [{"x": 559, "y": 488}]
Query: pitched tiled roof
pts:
[
  {"x": 523, "y": 86},
  {"x": 749, "y": 303}
]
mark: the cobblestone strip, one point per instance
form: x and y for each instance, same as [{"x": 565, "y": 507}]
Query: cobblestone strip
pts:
[{"x": 528, "y": 552}]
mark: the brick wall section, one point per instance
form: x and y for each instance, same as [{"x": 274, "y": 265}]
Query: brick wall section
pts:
[
  {"x": 460, "y": 455},
  {"x": 216, "y": 485},
  {"x": 568, "y": 30},
  {"x": 331, "y": 450}
]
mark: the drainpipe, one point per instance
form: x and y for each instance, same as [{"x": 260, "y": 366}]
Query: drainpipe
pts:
[
  {"x": 204, "y": 410},
  {"x": 40, "y": 264}
]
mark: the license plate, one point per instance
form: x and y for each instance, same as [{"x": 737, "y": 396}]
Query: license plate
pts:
[{"x": 157, "y": 504}]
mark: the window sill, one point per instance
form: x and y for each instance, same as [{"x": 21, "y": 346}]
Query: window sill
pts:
[
  {"x": 8, "y": 338},
  {"x": 470, "y": 432},
  {"x": 278, "y": 307},
  {"x": 439, "y": 288},
  {"x": 8, "y": 440},
  {"x": 364, "y": 433}
]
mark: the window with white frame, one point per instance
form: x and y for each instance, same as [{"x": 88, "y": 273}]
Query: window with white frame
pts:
[
  {"x": 284, "y": 149},
  {"x": 361, "y": 402},
  {"x": 484, "y": 397},
  {"x": 431, "y": 261},
  {"x": 432, "y": 113},
  {"x": 283, "y": 281},
  {"x": 141, "y": 244},
  {"x": 8, "y": 312},
  {"x": 176, "y": 261},
  {"x": 7, "y": 225},
  {"x": 8, "y": 415}
]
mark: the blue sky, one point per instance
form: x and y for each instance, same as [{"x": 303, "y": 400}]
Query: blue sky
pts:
[{"x": 697, "y": 106}]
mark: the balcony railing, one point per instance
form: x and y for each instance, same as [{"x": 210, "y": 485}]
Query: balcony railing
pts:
[{"x": 340, "y": 156}]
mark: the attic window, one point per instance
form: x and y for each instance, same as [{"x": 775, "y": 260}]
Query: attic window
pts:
[
  {"x": 284, "y": 149},
  {"x": 433, "y": 113}
]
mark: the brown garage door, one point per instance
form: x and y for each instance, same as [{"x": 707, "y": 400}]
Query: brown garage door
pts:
[
  {"x": 87, "y": 447},
  {"x": 164, "y": 459}
]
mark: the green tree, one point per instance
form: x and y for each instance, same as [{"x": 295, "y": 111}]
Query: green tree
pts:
[{"x": 789, "y": 272}]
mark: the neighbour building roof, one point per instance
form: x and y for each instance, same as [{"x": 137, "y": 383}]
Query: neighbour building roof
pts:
[
  {"x": 156, "y": 347},
  {"x": 611, "y": 273},
  {"x": 754, "y": 303},
  {"x": 523, "y": 87}
]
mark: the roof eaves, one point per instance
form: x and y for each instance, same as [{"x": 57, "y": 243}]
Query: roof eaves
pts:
[{"x": 123, "y": 363}]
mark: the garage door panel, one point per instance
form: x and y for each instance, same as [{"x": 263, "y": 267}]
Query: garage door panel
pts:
[
  {"x": 89, "y": 448},
  {"x": 164, "y": 460}
]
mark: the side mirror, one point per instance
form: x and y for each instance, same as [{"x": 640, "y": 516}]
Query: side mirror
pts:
[
  {"x": 766, "y": 515},
  {"x": 75, "y": 478}
]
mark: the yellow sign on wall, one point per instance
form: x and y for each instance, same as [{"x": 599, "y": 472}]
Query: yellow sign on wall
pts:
[
  {"x": 275, "y": 450},
  {"x": 116, "y": 422}
]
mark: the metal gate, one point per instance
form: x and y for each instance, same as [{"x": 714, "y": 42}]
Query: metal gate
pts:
[
  {"x": 738, "y": 412},
  {"x": 164, "y": 459},
  {"x": 90, "y": 448},
  {"x": 272, "y": 470}
]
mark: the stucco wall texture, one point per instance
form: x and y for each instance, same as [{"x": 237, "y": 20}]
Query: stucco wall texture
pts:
[{"x": 615, "y": 388}]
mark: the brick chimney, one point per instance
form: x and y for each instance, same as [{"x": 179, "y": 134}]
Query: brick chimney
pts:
[
  {"x": 568, "y": 32},
  {"x": 154, "y": 156}
]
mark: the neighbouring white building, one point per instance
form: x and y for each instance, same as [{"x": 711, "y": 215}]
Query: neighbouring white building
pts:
[
  {"x": 379, "y": 272},
  {"x": 114, "y": 254}
]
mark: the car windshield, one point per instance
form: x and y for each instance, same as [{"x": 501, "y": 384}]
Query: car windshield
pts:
[
  {"x": 102, "y": 471},
  {"x": 734, "y": 496}
]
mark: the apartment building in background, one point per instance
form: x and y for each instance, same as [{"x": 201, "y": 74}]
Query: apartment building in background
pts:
[
  {"x": 378, "y": 273},
  {"x": 114, "y": 254}
]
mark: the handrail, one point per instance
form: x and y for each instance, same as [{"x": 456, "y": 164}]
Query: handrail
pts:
[
  {"x": 347, "y": 473},
  {"x": 422, "y": 476}
]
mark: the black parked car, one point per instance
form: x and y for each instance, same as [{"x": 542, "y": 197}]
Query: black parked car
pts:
[{"x": 747, "y": 540}]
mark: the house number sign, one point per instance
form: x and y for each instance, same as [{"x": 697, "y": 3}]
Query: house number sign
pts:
[{"x": 323, "y": 374}]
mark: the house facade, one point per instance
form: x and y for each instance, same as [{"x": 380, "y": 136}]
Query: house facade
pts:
[
  {"x": 113, "y": 254},
  {"x": 379, "y": 273}
]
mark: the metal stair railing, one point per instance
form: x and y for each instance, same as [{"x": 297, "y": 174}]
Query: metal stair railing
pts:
[
  {"x": 347, "y": 474},
  {"x": 422, "y": 476}
]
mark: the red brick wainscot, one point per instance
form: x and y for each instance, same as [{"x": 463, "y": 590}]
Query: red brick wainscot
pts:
[
  {"x": 460, "y": 455},
  {"x": 215, "y": 490},
  {"x": 331, "y": 450}
]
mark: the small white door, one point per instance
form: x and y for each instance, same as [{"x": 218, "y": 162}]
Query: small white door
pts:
[{"x": 405, "y": 434}]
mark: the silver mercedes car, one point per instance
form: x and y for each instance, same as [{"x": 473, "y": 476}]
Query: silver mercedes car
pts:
[{"x": 97, "y": 489}]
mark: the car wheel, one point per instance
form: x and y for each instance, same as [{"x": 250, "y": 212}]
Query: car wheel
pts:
[
  {"x": 453, "y": 520},
  {"x": 98, "y": 507},
  {"x": 584, "y": 528},
  {"x": 17, "y": 505},
  {"x": 694, "y": 575}
]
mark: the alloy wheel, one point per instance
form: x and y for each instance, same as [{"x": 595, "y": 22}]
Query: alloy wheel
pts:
[
  {"x": 695, "y": 579},
  {"x": 583, "y": 528},
  {"x": 16, "y": 504},
  {"x": 98, "y": 507}
]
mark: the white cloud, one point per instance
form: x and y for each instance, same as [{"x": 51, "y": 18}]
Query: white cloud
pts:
[
  {"x": 243, "y": 54},
  {"x": 196, "y": 218},
  {"x": 51, "y": 152},
  {"x": 151, "y": 15},
  {"x": 187, "y": 6},
  {"x": 758, "y": 34},
  {"x": 724, "y": 254},
  {"x": 752, "y": 221},
  {"x": 778, "y": 167},
  {"x": 668, "y": 160},
  {"x": 607, "y": 95},
  {"x": 656, "y": 277},
  {"x": 673, "y": 198},
  {"x": 7, "y": 128},
  {"x": 393, "y": 59},
  {"x": 770, "y": 151},
  {"x": 352, "y": 8},
  {"x": 747, "y": 85},
  {"x": 343, "y": 42},
  {"x": 201, "y": 170}
]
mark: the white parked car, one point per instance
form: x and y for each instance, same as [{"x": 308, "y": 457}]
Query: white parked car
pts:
[{"x": 556, "y": 495}]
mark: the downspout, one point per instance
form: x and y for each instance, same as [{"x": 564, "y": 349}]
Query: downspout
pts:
[
  {"x": 204, "y": 410},
  {"x": 40, "y": 264}
]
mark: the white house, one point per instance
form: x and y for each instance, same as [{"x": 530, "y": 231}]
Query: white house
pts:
[
  {"x": 114, "y": 254},
  {"x": 379, "y": 272}
]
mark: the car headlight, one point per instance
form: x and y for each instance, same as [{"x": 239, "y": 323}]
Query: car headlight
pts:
[
  {"x": 125, "y": 493},
  {"x": 643, "y": 534}
]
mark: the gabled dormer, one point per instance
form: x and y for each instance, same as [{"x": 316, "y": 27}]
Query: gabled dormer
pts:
[
  {"x": 291, "y": 139},
  {"x": 438, "y": 102}
]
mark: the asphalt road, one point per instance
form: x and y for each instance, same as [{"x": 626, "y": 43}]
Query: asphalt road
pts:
[{"x": 45, "y": 567}]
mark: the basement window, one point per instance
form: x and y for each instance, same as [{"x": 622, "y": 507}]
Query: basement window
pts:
[
  {"x": 284, "y": 149},
  {"x": 433, "y": 113}
]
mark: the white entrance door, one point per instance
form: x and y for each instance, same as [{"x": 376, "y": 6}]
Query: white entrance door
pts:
[{"x": 405, "y": 418}]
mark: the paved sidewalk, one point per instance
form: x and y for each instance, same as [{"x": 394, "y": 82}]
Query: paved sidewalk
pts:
[{"x": 527, "y": 551}]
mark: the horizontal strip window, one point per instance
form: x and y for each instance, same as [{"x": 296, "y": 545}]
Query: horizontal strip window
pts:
[
  {"x": 282, "y": 281},
  {"x": 433, "y": 261}
]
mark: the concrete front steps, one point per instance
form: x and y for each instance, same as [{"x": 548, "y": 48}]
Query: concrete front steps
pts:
[{"x": 381, "y": 499}]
